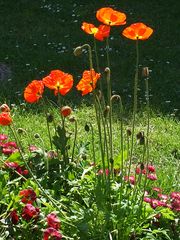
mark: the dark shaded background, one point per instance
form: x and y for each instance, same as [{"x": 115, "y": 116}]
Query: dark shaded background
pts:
[{"x": 40, "y": 35}]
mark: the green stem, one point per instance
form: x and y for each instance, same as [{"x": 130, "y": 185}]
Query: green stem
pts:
[{"x": 75, "y": 137}]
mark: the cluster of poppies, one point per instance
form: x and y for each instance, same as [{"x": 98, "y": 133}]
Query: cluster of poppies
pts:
[
  {"x": 61, "y": 83},
  {"x": 110, "y": 17},
  {"x": 30, "y": 213}
]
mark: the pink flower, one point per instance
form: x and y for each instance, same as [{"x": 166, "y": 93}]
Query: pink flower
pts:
[
  {"x": 12, "y": 165},
  {"x": 156, "y": 203},
  {"x": 176, "y": 204},
  {"x": 131, "y": 179},
  {"x": 139, "y": 171},
  {"x": 152, "y": 177},
  {"x": 3, "y": 137},
  {"x": 156, "y": 189},
  {"x": 151, "y": 168},
  {"x": 52, "y": 232},
  {"x": 9, "y": 148},
  {"x": 147, "y": 199},
  {"x": 33, "y": 148},
  {"x": 163, "y": 196},
  {"x": 14, "y": 217},
  {"x": 28, "y": 195},
  {"x": 53, "y": 221},
  {"x": 30, "y": 212},
  {"x": 175, "y": 195}
]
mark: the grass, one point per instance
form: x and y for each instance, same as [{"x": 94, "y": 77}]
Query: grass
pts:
[{"x": 38, "y": 36}]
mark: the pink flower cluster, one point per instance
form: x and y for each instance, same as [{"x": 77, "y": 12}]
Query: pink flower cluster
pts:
[
  {"x": 54, "y": 224},
  {"x": 148, "y": 170},
  {"x": 171, "y": 201},
  {"x": 7, "y": 148},
  {"x": 15, "y": 166}
]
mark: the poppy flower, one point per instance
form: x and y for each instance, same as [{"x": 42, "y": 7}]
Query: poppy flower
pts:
[
  {"x": 111, "y": 17},
  {"x": 28, "y": 195},
  {"x": 152, "y": 176},
  {"x": 5, "y": 119},
  {"x": 99, "y": 33},
  {"x": 29, "y": 212},
  {"x": 130, "y": 179},
  {"x": 59, "y": 82},
  {"x": 137, "y": 31},
  {"x": 88, "y": 81},
  {"x": 33, "y": 92},
  {"x": 53, "y": 221},
  {"x": 3, "y": 137},
  {"x": 52, "y": 232}
]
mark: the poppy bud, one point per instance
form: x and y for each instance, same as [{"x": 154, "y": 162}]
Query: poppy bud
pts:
[
  {"x": 145, "y": 72},
  {"x": 142, "y": 166},
  {"x": 106, "y": 111},
  {"x": 86, "y": 128},
  {"x": 72, "y": 119},
  {"x": 66, "y": 111},
  {"x": 139, "y": 135},
  {"x": 128, "y": 131},
  {"x": 78, "y": 51},
  {"x": 4, "y": 108},
  {"x": 36, "y": 135},
  {"x": 115, "y": 97},
  {"x": 111, "y": 160},
  {"x": 20, "y": 130},
  {"x": 49, "y": 117}
]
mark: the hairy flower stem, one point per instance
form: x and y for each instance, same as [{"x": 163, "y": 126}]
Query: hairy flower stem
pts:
[
  {"x": 75, "y": 138},
  {"x": 107, "y": 52},
  {"x": 134, "y": 105}
]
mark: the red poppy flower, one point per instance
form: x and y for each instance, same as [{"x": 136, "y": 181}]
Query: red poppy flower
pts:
[
  {"x": 111, "y": 17},
  {"x": 59, "y": 82},
  {"x": 88, "y": 82},
  {"x": 51, "y": 232},
  {"x": 29, "y": 212},
  {"x": 137, "y": 31},
  {"x": 53, "y": 221},
  {"x": 28, "y": 195},
  {"x": 5, "y": 119},
  {"x": 33, "y": 92},
  {"x": 99, "y": 33}
]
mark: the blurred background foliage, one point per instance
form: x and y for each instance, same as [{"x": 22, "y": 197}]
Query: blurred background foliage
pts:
[{"x": 38, "y": 36}]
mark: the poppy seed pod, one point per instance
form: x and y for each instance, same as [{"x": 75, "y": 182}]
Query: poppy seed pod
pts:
[
  {"x": 78, "y": 51},
  {"x": 66, "y": 111},
  {"x": 72, "y": 119},
  {"x": 145, "y": 72}
]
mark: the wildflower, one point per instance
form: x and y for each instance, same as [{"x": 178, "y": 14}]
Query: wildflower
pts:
[
  {"x": 176, "y": 204},
  {"x": 33, "y": 148},
  {"x": 156, "y": 189},
  {"x": 3, "y": 137},
  {"x": 9, "y": 148},
  {"x": 59, "y": 81},
  {"x": 30, "y": 212},
  {"x": 33, "y": 92},
  {"x": 137, "y": 31},
  {"x": 88, "y": 82},
  {"x": 5, "y": 119},
  {"x": 51, "y": 232},
  {"x": 175, "y": 195},
  {"x": 147, "y": 199},
  {"x": 4, "y": 108},
  {"x": 131, "y": 179},
  {"x": 111, "y": 17},
  {"x": 140, "y": 171},
  {"x": 28, "y": 195},
  {"x": 151, "y": 168},
  {"x": 152, "y": 177},
  {"x": 66, "y": 111},
  {"x": 99, "y": 33},
  {"x": 53, "y": 221},
  {"x": 14, "y": 217},
  {"x": 164, "y": 197}
]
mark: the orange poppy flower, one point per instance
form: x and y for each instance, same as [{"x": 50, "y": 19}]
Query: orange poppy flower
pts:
[
  {"x": 88, "y": 81},
  {"x": 33, "y": 92},
  {"x": 111, "y": 17},
  {"x": 59, "y": 82},
  {"x": 5, "y": 119},
  {"x": 99, "y": 33},
  {"x": 137, "y": 31}
]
